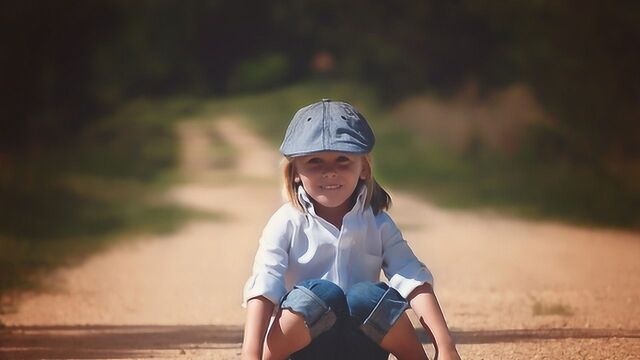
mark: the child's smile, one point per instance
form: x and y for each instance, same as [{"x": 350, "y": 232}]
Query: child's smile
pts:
[
  {"x": 331, "y": 187},
  {"x": 330, "y": 178},
  {"x": 328, "y": 244}
]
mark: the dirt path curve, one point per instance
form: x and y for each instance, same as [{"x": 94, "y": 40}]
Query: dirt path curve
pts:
[{"x": 509, "y": 288}]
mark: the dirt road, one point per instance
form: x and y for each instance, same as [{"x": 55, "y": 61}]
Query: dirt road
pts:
[{"x": 510, "y": 289}]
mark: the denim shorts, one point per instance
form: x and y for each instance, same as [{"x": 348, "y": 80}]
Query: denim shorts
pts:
[{"x": 345, "y": 326}]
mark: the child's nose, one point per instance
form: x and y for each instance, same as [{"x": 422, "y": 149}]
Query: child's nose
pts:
[{"x": 329, "y": 172}]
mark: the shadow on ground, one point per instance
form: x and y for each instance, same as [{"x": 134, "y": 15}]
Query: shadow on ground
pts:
[
  {"x": 112, "y": 342},
  {"x": 136, "y": 341},
  {"x": 509, "y": 336}
]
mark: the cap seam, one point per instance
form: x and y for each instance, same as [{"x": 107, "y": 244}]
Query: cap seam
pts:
[
  {"x": 353, "y": 136},
  {"x": 324, "y": 124},
  {"x": 295, "y": 127}
]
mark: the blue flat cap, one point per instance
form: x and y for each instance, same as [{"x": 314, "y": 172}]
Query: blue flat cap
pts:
[{"x": 327, "y": 126}]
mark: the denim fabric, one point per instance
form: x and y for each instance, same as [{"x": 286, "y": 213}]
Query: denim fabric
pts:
[
  {"x": 345, "y": 326},
  {"x": 319, "y": 303},
  {"x": 375, "y": 308},
  {"x": 327, "y": 126}
]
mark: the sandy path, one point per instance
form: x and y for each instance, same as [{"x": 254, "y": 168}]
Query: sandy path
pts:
[{"x": 167, "y": 297}]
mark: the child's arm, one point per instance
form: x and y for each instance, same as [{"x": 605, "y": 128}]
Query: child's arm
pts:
[
  {"x": 259, "y": 310},
  {"x": 424, "y": 303}
]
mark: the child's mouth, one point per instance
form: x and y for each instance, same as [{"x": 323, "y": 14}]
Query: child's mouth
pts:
[{"x": 330, "y": 187}]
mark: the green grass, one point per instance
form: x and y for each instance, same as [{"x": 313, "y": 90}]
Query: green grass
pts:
[
  {"x": 54, "y": 226},
  {"x": 537, "y": 189},
  {"x": 270, "y": 112},
  {"x": 57, "y": 208},
  {"x": 76, "y": 200},
  {"x": 137, "y": 141}
]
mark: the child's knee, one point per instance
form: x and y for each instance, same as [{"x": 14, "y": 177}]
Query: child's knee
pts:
[
  {"x": 375, "y": 308},
  {"x": 321, "y": 304}
]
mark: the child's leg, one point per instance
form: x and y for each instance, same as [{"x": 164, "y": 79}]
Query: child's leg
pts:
[
  {"x": 311, "y": 309},
  {"x": 287, "y": 334},
  {"x": 402, "y": 341},
  {"x": 378, "y": 312}
]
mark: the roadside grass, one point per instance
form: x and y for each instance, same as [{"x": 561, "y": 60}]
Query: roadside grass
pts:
[
  {"x": 552, "y": 189},
  {"x": 537, "y": 190},
  {"x": 57, "y": 208},
  {"x": 270, "y": 112},
  {"x": 70, "y": 202}
]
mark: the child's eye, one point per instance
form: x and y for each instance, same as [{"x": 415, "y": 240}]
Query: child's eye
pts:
[
  {"x": 314, "y": 161},
  {"x": 342, "y": 159}
]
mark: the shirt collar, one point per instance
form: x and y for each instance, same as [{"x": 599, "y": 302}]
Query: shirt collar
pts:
[{"x": 306, "y": 202}]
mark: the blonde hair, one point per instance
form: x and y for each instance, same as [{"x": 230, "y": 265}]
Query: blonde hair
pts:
[{"x": 376, "y": 197}]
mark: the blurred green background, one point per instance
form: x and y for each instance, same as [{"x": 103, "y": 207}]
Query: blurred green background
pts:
[{"x": 529, "y": 107}]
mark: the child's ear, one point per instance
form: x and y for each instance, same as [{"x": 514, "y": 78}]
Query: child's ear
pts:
[
  {"x": 366, "y": 172},
  {"x": 296, "y": 179}
]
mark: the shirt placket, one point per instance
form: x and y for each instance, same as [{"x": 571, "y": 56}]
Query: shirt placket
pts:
[
  {"x": 343, "y": 249},
  {"x": 339, "y": 254}
]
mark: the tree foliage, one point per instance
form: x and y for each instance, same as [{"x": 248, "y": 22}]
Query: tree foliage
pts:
[{"x": 66, "y": 61}]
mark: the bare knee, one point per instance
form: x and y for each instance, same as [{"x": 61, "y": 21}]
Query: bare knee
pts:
[
  {"x": 402, "y": 341},
  {"x": 287, "y": 334},
  {"x": 379, "y": 312},
  {"x": 309, "y": 309}
]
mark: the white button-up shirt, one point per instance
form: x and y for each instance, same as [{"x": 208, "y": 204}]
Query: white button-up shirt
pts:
[{"x": 297, "y": 246}]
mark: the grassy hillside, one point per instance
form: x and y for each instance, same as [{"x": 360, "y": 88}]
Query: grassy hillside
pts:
[
  {"x": 522, "y": 183},
  {"x": 59, "y": 206}
]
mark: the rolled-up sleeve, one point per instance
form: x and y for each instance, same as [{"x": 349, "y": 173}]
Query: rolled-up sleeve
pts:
[
  {"x": 400, "y": 265},
  {"x": 271, "y": 261}
]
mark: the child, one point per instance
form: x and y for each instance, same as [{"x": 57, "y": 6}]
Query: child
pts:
[{"x": 320, "y": 255}]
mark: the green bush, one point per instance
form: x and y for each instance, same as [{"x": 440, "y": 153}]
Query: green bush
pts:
[
  {"x": 72, "y": 201},
  {"x": 261, "y": 73}
]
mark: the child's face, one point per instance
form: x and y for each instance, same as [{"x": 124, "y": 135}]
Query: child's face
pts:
[{"x": 330, "y": 177}]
